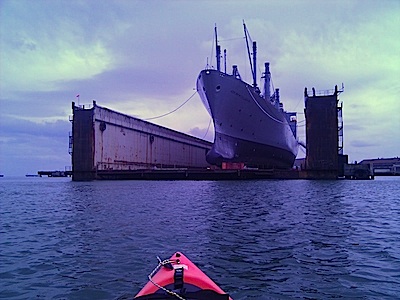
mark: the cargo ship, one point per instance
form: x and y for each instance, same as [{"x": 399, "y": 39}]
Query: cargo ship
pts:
[{"x": 251, "y": 127}]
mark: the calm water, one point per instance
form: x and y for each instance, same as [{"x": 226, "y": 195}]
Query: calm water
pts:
[{"x": 257, "y": 239}]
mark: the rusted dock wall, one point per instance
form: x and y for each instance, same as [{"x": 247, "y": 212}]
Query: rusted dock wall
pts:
[
  {"x": 321, "y": 112},
  {"x": 82, "y": 144},
  {"x": 105, "y": 140}
]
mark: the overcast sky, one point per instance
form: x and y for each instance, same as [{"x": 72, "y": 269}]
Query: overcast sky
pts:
[{"x": 142, "y": 58}]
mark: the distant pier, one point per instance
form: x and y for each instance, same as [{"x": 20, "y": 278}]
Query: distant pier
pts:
[{"x": 53, "y": 174}]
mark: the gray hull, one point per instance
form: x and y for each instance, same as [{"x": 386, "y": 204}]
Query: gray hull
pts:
[{"x": 248, "y": 128}]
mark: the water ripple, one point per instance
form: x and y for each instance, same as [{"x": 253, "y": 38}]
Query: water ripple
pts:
[{"x": 257, "y": 239}]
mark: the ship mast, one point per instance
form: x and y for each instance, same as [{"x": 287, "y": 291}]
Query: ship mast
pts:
[
  {"x": 252, "y": 65},
  {"x": 218, "y": 49},
  {"x": 225, "y": 61},
  {"x": 255, "y": 64}
]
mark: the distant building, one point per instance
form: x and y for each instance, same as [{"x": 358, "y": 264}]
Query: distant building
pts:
[{"x": 383, "y": 166}]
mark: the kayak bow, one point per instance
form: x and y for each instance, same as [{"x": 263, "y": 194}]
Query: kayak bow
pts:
[{"x": 179, "y": 278}]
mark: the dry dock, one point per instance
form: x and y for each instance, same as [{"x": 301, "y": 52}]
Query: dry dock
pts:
[{"x": 108, "y": 145}]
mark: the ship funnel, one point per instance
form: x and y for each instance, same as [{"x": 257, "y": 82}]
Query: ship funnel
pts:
[{"x": 277, "y": 97}]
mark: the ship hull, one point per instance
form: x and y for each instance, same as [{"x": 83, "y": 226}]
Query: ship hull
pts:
[
  {"x": 251, "y": 153},
  {"x": 248, "y": 129}
]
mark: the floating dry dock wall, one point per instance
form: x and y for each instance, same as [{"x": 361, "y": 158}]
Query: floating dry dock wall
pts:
[
  {"x": 322, "y": 131},
  {"x": 105, "y": 141}
]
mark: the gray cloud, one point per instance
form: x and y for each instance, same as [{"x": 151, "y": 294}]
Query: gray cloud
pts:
[
  {"x": 27, "y": 147},
  {"x": 12, "y": 127},
  {"x": 363, "y": 143},
  {"x": 203, "y": 133}
]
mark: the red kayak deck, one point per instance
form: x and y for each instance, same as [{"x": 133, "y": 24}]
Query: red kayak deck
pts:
[{"x": 179, "y": 278}]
